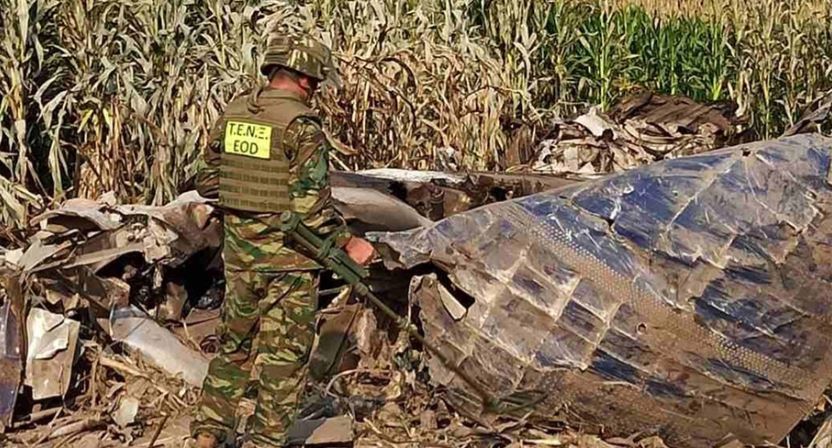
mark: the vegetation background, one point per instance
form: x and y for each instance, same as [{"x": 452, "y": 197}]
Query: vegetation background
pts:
[{"x": 117, "y": 95}]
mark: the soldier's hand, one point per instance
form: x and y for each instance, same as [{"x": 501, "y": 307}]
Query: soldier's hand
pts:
[{"x": 360, "y": 250}]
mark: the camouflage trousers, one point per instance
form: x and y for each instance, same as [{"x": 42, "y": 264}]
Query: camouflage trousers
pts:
[{"x": 266, "y": 335}]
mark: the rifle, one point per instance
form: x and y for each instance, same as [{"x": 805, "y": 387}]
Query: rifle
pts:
[{"x": 333, "y": 258}]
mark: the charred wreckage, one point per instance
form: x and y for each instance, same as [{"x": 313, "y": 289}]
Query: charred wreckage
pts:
[{"x": 688, "y": 298}]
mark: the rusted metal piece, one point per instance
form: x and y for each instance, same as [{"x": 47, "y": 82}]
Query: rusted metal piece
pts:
[{"x": 689, "y": 298}]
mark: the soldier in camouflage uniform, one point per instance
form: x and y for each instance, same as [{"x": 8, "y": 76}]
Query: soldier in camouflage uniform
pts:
[{"x": 268, "y": 154}]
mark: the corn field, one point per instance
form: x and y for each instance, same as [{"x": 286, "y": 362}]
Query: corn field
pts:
[{"x": 115, "y": 95}]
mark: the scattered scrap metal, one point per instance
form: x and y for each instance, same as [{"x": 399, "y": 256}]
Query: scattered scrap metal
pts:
[
  {"x": 102, "y": 284},
  {"x": 688, "y": 299},
  {"x": 436, "y": 195},
  {"x": 684, "y": 299},
  {"x": 92, "y": 263},
  {"x": 641, "y": 129}
]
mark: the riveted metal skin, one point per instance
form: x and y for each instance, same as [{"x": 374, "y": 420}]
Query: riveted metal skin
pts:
[{"x": 689, "y": 298}]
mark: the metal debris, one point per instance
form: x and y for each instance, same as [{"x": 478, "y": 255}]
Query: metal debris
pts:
[
  {"x": 11, "y": 362},
  {"x": 687, "y": 299},
  {"x": 367, "y": 210},
  {"x": 87, "y": 259},
  {"x": 176, "y": 297},
  {"x": 324, "y": 432},
  {"x": 95, "y": 233},
  {"x": 79, "y": 214},
  {"x": 492, "y": 285},
  {"x": 125, "y": 414},
  {"x": 138, "y": 331},
  {"x": 641, "y": 129},
  {"x": 50, "y": 355},
  {"x": 436, "y": 195}
]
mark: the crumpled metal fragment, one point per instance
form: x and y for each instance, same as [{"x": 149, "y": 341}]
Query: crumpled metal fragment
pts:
[
  {"x": 642, "y": 129},
  {"x": 52, "y": 342},
  {"x": 689, "y": 298},
  {"x": 140, "y": 332},
  {"x": 167, "y": 234}
]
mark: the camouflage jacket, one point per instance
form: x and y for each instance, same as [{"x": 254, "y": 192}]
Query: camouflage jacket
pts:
[{"x": 253, "y": 241}]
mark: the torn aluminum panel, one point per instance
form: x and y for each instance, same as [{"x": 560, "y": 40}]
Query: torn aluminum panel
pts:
[
  {"x": 168, "y": 234},
  {"x": 374, "y": 210},
  {"x": 179, "y": 229},
  {"x": 439, "y": 195},
  {"x": 78, "y": 214},
  {"x": 415, "y": 176},
  {"x": 38, "y": 252},
  {"x": 138, "y": 331},
  {"x": 690, "y": 298},
  {"x": 52, "y": 343}
]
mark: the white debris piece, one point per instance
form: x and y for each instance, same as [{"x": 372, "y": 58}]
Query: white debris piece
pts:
[
  {"x": 52, "y": 342},
  {"x": 138, "y": 331},
  {"x": 125, "y": 415}
]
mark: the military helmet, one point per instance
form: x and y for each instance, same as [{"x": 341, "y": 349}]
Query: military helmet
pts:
[{"x": 300, "y": 53}]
